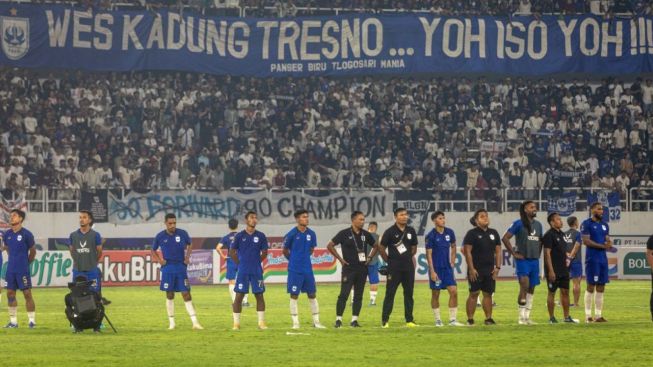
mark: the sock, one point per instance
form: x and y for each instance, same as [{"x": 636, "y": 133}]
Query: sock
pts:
[
  {"x": 236, "y": 318},
  {"x": 373, "y": 296},
  {"x": 598, "y": 304},
  {"x": 315, "y": 310},
  {"x": 232, "y": 293},
  {"x": 453, "y": 313},
  {"x": 191, "y": 311},
  {"x": 522, "y": 312},
  {"x": 32, "y": 317},
  {"x": 338, "y": 318},
  {"x": 245, "y": 299},
  {"x": 12, "y": 315},
  {"x": 351, "y": 296},
  {"x": 261, "y": 316},
  {"x": 436, "y": 313},
  {"x": 529, "y": 305},
  {"x": 293, "y": 311},
  {"x": 170, "y": 307},
  {"x": 588, "y": 304},
  {"x": 354, "y": 318}
]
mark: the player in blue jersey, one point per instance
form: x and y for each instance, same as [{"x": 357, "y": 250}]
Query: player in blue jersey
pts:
[
  {"x": 528, "y": 248},
  {"x": 596, "y": 237},
  {"x": 574, "y": 240},
  {"x": 441, "y": 256},
  {"x": 248, "y": 250},
  {"x": 19, "y": 244},
  {"x": 232, "y": 268},
  {"x": 175, "y": 245},
  {"x": 298, "y": 246}
]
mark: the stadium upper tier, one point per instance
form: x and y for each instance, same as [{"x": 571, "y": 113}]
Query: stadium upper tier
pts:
[{"x": 174, "y": 130}]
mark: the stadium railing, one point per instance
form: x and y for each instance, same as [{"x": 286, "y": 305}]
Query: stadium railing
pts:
[{"x": 48, "y": 199}]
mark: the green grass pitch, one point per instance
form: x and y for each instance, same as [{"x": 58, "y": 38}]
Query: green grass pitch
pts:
[{"x": 143, "y": 339}]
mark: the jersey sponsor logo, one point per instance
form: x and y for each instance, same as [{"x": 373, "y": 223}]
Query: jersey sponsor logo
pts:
[
  {"x": 83, "y": 249},
  {"x": 255, "y": 239},
  {"x": 177, "y": 238}
]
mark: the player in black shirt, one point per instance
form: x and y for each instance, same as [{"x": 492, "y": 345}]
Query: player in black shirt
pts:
[
  {"x": 483, "y": 255},
  {"x": 400, "y": 241},
  {"x": 556, "y": 267},
  {"x": 649, "y": 257},
  {"x": 358, "y": 247}
]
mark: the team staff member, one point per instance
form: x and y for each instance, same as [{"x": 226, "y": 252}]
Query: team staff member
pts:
[
  {"x": 649, "y": 257},
  {"x": 528, "y": 248},
  {"x": 357, "y": 247},
  {"x": 400, "y": 240},
  {"x": 483, "y": 256},
  {"x": 556, "y": 267},
  {"x": 596, "y": 236},
  {"x": 573, "y": 239}
]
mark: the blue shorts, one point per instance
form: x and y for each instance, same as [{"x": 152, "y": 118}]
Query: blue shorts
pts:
[
  {"x": 446, "y": 278},
  {"x": 18, "y": 280},
  {"x": 243, "y": 281},
  {"x": 373, "y": 273},
  {"x": 301, "y": 282},
  {"x": 596, "y": 273},
  {"x": 174, "y": 278},
  {"x": 529, "y": 268},
  {"x": 232, "y": 269},
  {"x": 576, "y": 269},
  {"x": 93, "y": 275}
]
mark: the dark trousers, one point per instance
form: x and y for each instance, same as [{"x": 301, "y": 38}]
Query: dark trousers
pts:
[
  {"x": 405, "y": 277},
  {"x": 352, "y": 277}
]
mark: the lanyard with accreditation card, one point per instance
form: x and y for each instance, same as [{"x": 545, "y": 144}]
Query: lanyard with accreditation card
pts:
[
  {"x": 401, "y": 248},
  {"x": 362, "y": 257}
]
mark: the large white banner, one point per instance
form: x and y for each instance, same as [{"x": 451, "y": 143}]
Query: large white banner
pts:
[{"x": 271, "y": 207}]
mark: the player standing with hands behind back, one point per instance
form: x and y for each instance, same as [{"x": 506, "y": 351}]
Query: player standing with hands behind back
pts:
[
  {"x": 176, "y": 248},
  {"x": 441, "y": 256},
  {"x": 400, "y": 240},
  {"x": 19, "y": 244},
  {"x": 596, "y": 236},
  {"x": 483, "y": 256},
  {"x": 298, "y": 246},
  {"x": 528, "y": 248}
]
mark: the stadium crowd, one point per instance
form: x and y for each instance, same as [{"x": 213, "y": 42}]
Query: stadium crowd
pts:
[{"x": 175, "y": 130}]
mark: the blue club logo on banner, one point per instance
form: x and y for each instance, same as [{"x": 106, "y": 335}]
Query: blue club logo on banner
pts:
[
  {"x": 15, "y": 37},
  {"x": 564, "y": 205}
]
